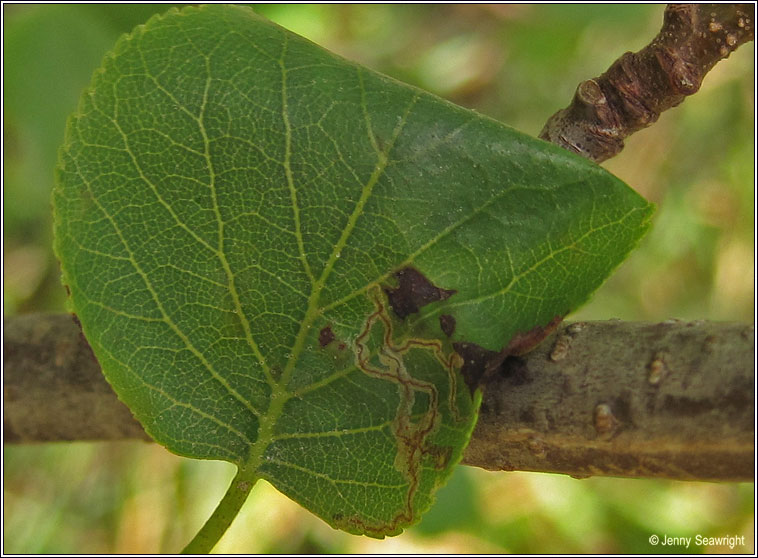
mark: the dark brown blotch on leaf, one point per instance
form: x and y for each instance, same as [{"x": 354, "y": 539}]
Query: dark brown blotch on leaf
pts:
[
  {"x": 447, "y": 324},
  {"x": 325, "y": 336},
  {"x": 478, "y": 363},
  {"x": 413, "y": 292}
]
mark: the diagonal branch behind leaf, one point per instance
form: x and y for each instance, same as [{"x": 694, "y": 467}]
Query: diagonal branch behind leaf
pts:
[{"x": 639, "y": 86}]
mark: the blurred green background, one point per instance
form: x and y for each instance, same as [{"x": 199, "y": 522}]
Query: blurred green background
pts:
[{"x": 516, "y": 63}]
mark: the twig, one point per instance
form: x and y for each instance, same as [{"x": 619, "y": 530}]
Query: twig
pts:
[
  {"x": 671, "y": 400},
  {"x": 639, "y": 86}
]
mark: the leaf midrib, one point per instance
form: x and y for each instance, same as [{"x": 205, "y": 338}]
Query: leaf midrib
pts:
[{"x": 281, "y": 394}]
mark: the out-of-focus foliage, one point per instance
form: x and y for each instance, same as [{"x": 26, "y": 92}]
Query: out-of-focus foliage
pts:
[{"x": 516, "y": 63}]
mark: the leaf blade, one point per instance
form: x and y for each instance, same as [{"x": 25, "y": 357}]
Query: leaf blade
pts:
[{"x": 248, "y": 197}]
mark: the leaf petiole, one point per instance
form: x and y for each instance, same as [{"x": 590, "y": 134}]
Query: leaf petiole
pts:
[{"x": 224, "y": 514}]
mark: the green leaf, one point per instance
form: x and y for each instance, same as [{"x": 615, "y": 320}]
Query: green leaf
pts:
[{"x": 275, "y": 255}]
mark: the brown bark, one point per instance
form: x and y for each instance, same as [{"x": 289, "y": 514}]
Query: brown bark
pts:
[
  {"x": 671, "y": 400},
  {"x": 53, "y": 389},
  {"x": 639, "y": 86}
]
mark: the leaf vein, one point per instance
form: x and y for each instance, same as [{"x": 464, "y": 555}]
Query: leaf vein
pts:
[{"x": 148, "y": 284}]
